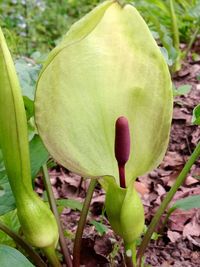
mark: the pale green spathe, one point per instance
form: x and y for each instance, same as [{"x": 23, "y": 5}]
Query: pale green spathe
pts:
[{"x": 107, "y": 66}]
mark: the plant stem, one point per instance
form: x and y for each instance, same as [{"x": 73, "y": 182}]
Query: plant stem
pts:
[
  {"x": 81, "y": 223},
  {"x": 53, "y": 206},
  {"x": 23, "y": 244},
  {"x": 130, "y": 259},
  {"x": 122, "y": 178},
  {"x": 180, "y": 179},
  {"x": 175, "y": 33},
  {"x": 192, "y": 40},
  {"x": 51, "y": 256},
  {"x": 169, "y": 212}
]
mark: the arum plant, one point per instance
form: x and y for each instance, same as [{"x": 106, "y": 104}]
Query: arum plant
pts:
[
  {"x": 108, "y": 68},
  {"x": 123, "y": 206},
  {"x": 38, "y": 223}
]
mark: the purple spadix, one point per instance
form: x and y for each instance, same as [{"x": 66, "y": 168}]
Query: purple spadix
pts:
[{"x": 122, "y": 146}]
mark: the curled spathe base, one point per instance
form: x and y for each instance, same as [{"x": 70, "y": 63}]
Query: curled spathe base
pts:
[{"x": 124, "y": 210}]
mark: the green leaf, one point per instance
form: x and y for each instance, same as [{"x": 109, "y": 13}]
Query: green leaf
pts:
[
  {"x": 92, "y": 78},
  {"x": 10, "y": 220},
  {"x": 38, "y": 155},
  {"x": 12, "y": 257},
  {"x": 196, "y": 115},
  {"x": 187, "y": 203},
  {"x": 70, "y": 203},
  {"x": 166, "y": 56},
  {"x": 7, "y": 201},
  {"x": 100, "y": 227},
  {"x": 28, "y": 73},
  {"x": 28, "y": 107},
  {"x": 182, "y": 90}
]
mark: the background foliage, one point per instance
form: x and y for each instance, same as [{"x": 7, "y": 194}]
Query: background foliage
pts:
[{"x": 37, "y": 25}]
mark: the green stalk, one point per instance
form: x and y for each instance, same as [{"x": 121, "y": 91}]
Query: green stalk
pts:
[
  {"x": 192, "y": 40},
  {"x": 179, "y": 181},
  {"x": 81, "y": 223},
  {"x": 24, "y": 245},
  {"x": 175, "y": 33},
  {"x": 169, "y": 212},
  {"x": 53, "y": 206},
  {"x": 51, "y": 256},
  {"x": 130, "y": 260}
]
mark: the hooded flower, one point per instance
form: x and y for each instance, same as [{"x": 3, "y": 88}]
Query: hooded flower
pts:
[{"x": 108, "y": 65}]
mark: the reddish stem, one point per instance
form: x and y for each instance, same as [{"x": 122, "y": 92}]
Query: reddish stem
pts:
[{"x": 122, "y": 178}]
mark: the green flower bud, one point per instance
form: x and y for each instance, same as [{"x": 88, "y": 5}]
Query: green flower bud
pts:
[
  {"x": 37, "y": 221},
  {"x": 125, "y": 211}
]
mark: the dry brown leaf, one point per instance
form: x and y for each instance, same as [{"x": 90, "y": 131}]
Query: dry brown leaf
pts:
[
  {"x": 172, "y": 159},
  {"x": 141, "y": 188},
  {"x": 173, "y": 236},
  {"x": 192, "y": 228},
  {"x": 179, "y": 218},
  {"x": 181, "y": 114},
  {"x": 190, "y": 180}
]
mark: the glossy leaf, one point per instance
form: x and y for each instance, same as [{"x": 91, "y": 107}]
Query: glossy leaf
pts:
[{"x": 107, "y": 66}]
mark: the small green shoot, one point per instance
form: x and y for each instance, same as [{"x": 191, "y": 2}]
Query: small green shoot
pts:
[
  {"x": 70, "y": 203},
  {"x": 196, "y": 115},
  {"x": 182, "y": 90},
  {"x": 100, "y": 227}
]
